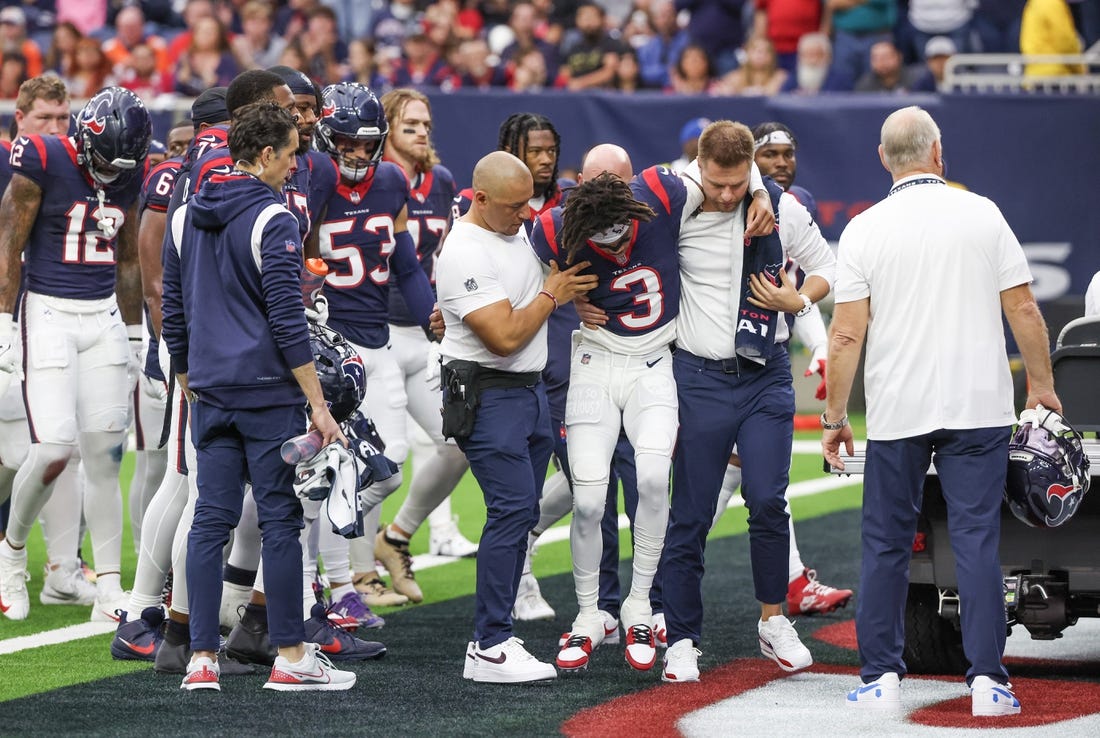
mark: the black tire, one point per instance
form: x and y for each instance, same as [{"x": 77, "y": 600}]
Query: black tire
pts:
[{"x": 933, "y": 645}]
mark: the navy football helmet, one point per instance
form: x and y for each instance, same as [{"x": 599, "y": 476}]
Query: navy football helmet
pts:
[
  {"x": 1048, "y": 469},
  {"x": 351, "y": 111},
  {"x": 113, "y": 132},
  {"x": 340, "y": 369}
]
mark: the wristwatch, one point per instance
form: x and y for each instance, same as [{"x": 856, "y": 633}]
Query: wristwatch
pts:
[
  {"x": 833, "y": 426},
  {"x": 807, "y": 304}
]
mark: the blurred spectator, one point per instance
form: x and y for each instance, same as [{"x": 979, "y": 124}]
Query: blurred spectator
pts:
[
  {"x": 814, "y": 70},
  {"x": 1047, "y": 28},
  {"x": 354, "y": 17},
  {"x": 784, "y": 22},
  {"x": 759, "y": 75},
  {"x": 637, "y": 31},
  {"x": 496, "y": 12},
  {"x": 293, "y": 56},
  {"x": 476, "y": 68},
  {"x": 689, "y": 143},
  {"x": 87, "y": 15},
  {"x": 13, "y": 72},
  {"x": 522, "y": 23},
  {"x": 141, "y": 75},
  {"x": 628, "y": 74},
  {"x": 857, "y": 26},
  {"x": 590, "y": 60},
  {"x": 949, "y": 18},
  {"x": 394, "y": 22},
  {"x": 438, "y": 24},
  {"x": 193, "y": 12},
  {"x": 656, "y": 56},
  {"x": 62, "y": 52},
  {"x": 326, "y": 55},
  {"x": 423, "y": 64},
  {"x": 558, "y": 15},
  {"x": 292, "y": 16},
  {"x": 362, "y": 65},
  {"x": 208, "y": 60},
  {"x": 528, "y": 72},
  {"x": 91, "y": 70},
  {"x": 929, "y": 75},
  {"x": 257, "y": 47},
  {"x": 693, "y": 73},
  {"x": 717, "y": 26},
  {"x": 129, "y": 32},
  {"x": 887, "y": 73},
  {"x": 997, "y": 25},
  {"x": 13, "y": 40},
  {"x": 469, "y": 23}
]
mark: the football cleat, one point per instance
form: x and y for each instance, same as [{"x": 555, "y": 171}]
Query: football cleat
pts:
[
  {"x": 314, "y": 672},
  {"x": 588, "y": 632},
  {"x": 807, "y": 596},
  {"x": 641, "y": 652},
  {"x": 660, "y": 631},
  {"x": 15, "y": 603},
  {"x": 394, "y": 555},
  {"x": 140, "y": 638},
  {"x": 449, "y": 541},
  {"x": 337, "y": 644},
  {"x": 65, "y": 585},
  {"x": 351, "y": 606},
  {"x": 610, "y": 630},
  {"x": 376, "y": 593},
  {"x": 530, "y": 604},
  {"x": 249, "y": 641},
  {"x": 109, "y": 605},
  {"x": 234, "y": 597}
]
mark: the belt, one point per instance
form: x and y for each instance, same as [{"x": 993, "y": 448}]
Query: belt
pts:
[
  {"x": 497, "y": 379},
  {"x": 732, "y": 365}
]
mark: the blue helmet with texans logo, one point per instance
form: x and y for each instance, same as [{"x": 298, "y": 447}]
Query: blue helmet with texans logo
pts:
[
  {"x": 340, "y": 369},
  {"x": 351, "y": 112},
  {"x": 1048, "y": 469},
  {"x": 113, "y": 132}
]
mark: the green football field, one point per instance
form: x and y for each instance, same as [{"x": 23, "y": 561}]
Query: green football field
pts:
[{"x": 87, "y": 659}]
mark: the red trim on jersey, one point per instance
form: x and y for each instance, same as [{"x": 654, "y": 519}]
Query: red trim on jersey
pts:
[
  {"x": 654, "y": 181},
  {"x": 547, "y": 220},
  {"x": 6, "y": 145},
  {"x": 219, "y": 161},
  {"x": 551, "y": 202},
  {"x": 624, "y": 256},
  {"x": 40, "y": 145},
  {"x": 359, "y": 188},
  {"x": 421, "y": 193}
]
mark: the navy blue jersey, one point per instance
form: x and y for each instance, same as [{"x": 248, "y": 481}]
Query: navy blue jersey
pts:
[
  {"x": 210, "y": 145},
  {"x": 429, "y": 216},
  {"x": 358, "y": 240},
  {"x": 803, "y": 196},
  {"x": 67, "y": 253},
  {"x": 323, "y": 178},
  {"x": 464, "y": 197},
  {"x": 156, "y": 191},
  {"x": 639, "y": 289}
]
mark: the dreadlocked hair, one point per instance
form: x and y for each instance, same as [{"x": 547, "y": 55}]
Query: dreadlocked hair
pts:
[
  {"x": 596, "y": 205},
  {"x": 513, "y": 139}
]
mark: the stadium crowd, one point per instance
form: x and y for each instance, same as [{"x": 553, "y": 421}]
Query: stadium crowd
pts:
[{"x": 727, "y": 47}]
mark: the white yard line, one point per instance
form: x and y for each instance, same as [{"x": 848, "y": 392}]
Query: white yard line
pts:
[{"x": 420, "y": 563}]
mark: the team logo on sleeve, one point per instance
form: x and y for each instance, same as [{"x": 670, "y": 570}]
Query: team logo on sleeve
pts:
[{"x": 471, "y": 284}]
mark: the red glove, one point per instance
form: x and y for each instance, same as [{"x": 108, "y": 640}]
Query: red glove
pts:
[{"x": 817, "y": 366}]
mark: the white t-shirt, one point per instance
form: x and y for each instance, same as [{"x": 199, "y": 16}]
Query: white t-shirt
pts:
[
  {"x": 1092, "y": 296},
  {"x": 711, "y": 255},
  {"x": 477, "y": 268},
  {"x": 933, "y": 260}
]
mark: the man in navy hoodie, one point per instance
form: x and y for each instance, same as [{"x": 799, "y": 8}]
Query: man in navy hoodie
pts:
[{"x": 235, "y": 327}]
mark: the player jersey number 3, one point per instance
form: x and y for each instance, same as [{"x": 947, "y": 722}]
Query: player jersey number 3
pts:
[
  {"x": 649, "y": 302},
  {"x": 354, "y": 269}
]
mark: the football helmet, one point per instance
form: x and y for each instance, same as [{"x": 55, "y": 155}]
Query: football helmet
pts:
[
  {"x": 351, "y": 111},
  {"x": 340, "y": 369},
  {"x": 112, "y": 136},
  {"x": 1048, "y": 469}
]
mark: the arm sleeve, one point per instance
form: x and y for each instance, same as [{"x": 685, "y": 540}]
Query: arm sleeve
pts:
[
  {"x": 173, "y": 319},
  {"x": 280, "y": 273},
  {"x": 803, "y": 241},
  {"x": 809, "y": 330},
  {"x": 411, "y": 280}
]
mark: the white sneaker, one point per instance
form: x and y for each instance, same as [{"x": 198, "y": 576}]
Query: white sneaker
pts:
[
  {"x": 681, "y": 662},
  {"x": 234, "y": 596},
  {"x": 641, "y": 647},
  {"x": 660, "y": 631},
  {"x": 15, "y": 603},
  {"x": 470, "y": 664},
  {"x": 530, "y": 604},
  {"x": 66, "y": 585},
  {"x": 779, "y": 642},
  {"x": 882, "y": 694},
  {"x": 449, "y": 541},
  {"x": 108, "y": 605},
  {"x": 314, "y": 672},
  {"x": 584, "y": 637},
  {"x": 610, "y": 630},
  {"x": 509, "y": 663},
  {"x": 989, "y": 698}
]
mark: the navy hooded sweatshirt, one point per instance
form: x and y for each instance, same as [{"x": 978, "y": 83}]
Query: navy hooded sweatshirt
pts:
[{"x": 233, "y": 315}]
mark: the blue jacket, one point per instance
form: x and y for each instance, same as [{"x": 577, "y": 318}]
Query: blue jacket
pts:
[{"x": 233, "y": 315}]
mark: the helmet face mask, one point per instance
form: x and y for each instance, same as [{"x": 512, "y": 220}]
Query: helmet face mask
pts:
[
  {"x": 1048, "y": 470},
  {"x": 340, "y": 370},
  {"x": 350, "y": 114},
  {"x": 113, "y": 132}
]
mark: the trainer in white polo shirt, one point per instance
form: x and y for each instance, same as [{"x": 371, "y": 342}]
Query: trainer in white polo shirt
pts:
[{"x": 925, "y": 275}]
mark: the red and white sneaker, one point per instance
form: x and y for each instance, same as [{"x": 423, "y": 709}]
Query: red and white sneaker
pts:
[
  {"x": 202, "y": 673},
  {"x": 807, "y": 596},
  {"x": 660, "y": 632},
  {"x": 585, "y": 637},
  {"x": 641, "y": 651},
  {"x": 314, "y": 672},
  {"x": 610, "y": 630}
]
